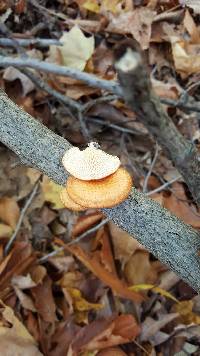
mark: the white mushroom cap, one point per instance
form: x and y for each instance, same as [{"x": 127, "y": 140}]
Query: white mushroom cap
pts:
[{"x": 91, "y": 163}]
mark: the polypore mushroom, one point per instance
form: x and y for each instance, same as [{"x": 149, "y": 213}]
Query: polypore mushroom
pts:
[
  {"x": 69, "y": 203},
  {"x": 91, "y": 163},
  {"x": 103, "y": 193}
]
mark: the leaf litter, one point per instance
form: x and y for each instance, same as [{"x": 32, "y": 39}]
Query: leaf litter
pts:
[{"x": 105, "y": 295}]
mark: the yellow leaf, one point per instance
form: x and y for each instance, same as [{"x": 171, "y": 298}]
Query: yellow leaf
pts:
[
  {"x": 77, "y": 48},
  {"x": 51, "y": 192},
  {"x": 9, "y": 211},
  {"x": 110, "y": 5},
  {"x": 92, "y": 5},
  {"x": 81, "y": 304},
  {"x": 106, "y": 5},
  {"x": 5, "y": 230},
  {"x": 184, "y": 308},
  {"x": 164, "y": 293}
]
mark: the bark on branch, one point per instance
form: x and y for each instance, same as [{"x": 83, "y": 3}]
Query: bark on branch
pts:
[
  {"x": 168, "y": 238},
  {"x": 139, "y": 95}
]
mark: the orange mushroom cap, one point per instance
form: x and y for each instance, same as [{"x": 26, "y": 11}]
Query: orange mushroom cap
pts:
[
  {"x": 103, "y": 193},
  {"x": 69, "y": 203},
  {"x": 91, "y": 163}
]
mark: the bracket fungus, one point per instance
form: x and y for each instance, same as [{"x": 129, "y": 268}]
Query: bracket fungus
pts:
[
  {"x": 91, "y": 163},
  {"x": 96, "y": 181},
  {"x": 102, "y": 193},
  {"x": 69, "y": 203}
]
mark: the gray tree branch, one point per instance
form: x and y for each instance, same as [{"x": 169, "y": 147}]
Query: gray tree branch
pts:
[
  {"x": 168, "y": 238},
  {"x": 139, "y": 95},
  {"x": 89, "y": 79}
]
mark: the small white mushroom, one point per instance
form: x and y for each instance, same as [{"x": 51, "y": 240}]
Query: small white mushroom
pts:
[{"x": 91, "y": 163}]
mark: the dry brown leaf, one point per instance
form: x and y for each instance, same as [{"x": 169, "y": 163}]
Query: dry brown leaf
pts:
[
  {"x": 23, "y": 282},
  {"x": 11, "y": 74},
  {"x": 103, "y": 61},
  {"x": 33, "y": 175},
  {"x": 38, "y": 273},
  {"x": 137, "y": 23},
  {"x": 71, "y": 279},
  {"x": 124, "y": 244},
  {"x": 9, "y": 211},
  {"x": 186, "y": 57},
  {"x": 62, "y": 338},
  {"x": 105, "y": 253},
  {"x": 177, "y": 203},
  {"x": 139, "y": 269},
  {"x": 77, "y": 91},
  {"x": 86, "y": 222},
  {"x": 150, "y": 326},
  {"x": 108, "y": 278},
  {"x": 62, "y": 263},
  {"x": 101, "y": 334},
  {"x": 15, "y": 339},
  {"x": 166, "y": 90},
  {"x": 191, "y": 27},
  {"x": 25, "y": 300},
  {"x": 44, "y": 301},
  {"x": 18, "y": 260}
]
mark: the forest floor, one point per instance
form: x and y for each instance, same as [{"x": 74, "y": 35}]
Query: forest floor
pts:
[{"x": 68, "y": 300}]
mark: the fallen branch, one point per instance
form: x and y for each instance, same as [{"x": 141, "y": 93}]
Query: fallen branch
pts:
[
  {"x": 139, "y": 95},
  {"x": 89, "y": 79},
  {"x": 168, "y": 238}
]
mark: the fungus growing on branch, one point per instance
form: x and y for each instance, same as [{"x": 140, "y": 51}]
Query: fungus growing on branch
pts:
[
  {"x": 91, "y": 163},
  {"x": 102, "y": 193},
  {"x": 69, "y": 203},
  {"x": 96, "y": 180}
]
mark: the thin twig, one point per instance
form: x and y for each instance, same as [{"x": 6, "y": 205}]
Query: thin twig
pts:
[
  {"x": 6, "y": 32},
  {"x": 102, "y": 99},
  {"x": 62, "y": 98},
  {"x": 89, "y": 79},
  {"x": 116, "y": 127},
  {"x": 90, "y": 231},
  {"x": 21, "y": 218},
  {"x": 44, "y": 86},
  {"x": 76, "y": 240},
  {"x": 150, "y": 169},
  {"x": 51, "y": 254},
  {"x": 195, "y": 106},
  {"x": 164, "y": 186},
  {"x": 26, "y": 42},
  {"x": 84, "y": 129}
]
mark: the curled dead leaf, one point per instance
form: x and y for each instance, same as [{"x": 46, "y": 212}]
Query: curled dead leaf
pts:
[
  {"x": 9, "y": 211},
  {"x": 108, "y": 278},
  {"x": 15, "y": 339}
]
